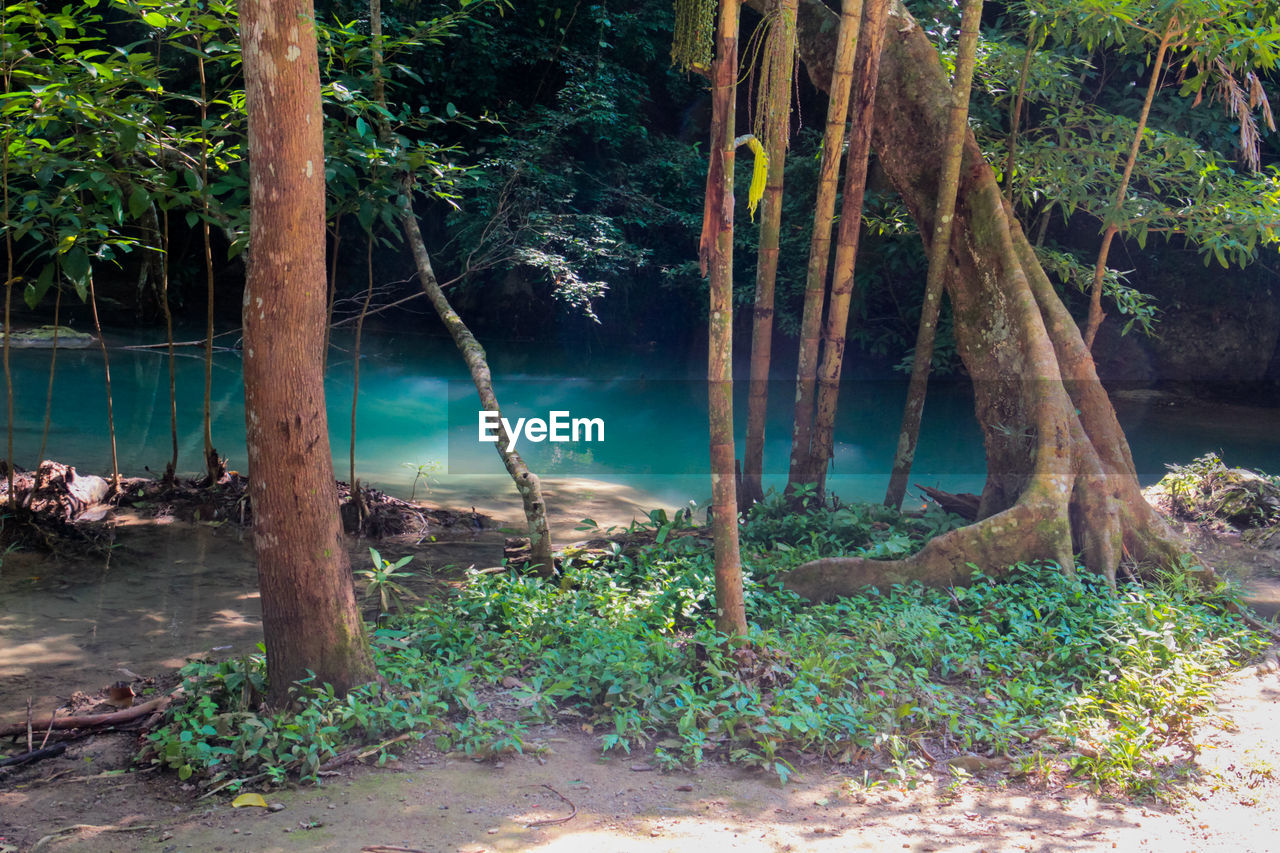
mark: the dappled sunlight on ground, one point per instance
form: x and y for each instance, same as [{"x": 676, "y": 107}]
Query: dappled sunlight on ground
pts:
[
  {"x": 562, "y": 796},
  {"x": 569, "y": 500}
]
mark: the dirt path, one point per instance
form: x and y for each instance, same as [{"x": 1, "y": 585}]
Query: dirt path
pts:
[{"x": 442, "y": 804}]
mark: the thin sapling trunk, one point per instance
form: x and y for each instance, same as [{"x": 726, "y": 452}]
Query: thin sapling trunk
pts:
[
  {"x": 106, "y": 370},
  {"x": 939, "y": 249},
  {"x": 867, "y": 62},
  {"x": 840, "y": 80},
  {"x": 213, "y": 463},
  {"x": 1100, "y": 266}
]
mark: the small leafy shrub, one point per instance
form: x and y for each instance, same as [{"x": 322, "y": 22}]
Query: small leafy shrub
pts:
[
  {"x": 383, "y": 581},
  {"x": 218, "y": 735},
  {"x": 1208, "y": 490}
]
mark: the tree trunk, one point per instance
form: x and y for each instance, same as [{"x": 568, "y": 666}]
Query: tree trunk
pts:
[
  {"x": 527, "y": 483},
  {"x": 106, "y": 373},
  {"x": 777, "y": 134},
  {"x": 1100, "y": 266},
  {"x": 716, "y": 254},
  {"x": 309, "y": 615},
  {"x": 213, "y": 463},
  {"x": 867, "y": 69},
  {"x": 1015, "y": 111},
  {"x": 837, "y": 82},
  {"x": 1060, "y": 477},
  {"x": 938, "y": 251}
]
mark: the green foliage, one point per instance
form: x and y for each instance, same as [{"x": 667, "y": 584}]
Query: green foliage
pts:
[
  {"x": 104, "y": 133},
  {"x": 1208, "y": 490},
  {"x": 217, "y": 735},
  {"x": 382, "y": 582},
  {"x": 1054, "y": 671}
]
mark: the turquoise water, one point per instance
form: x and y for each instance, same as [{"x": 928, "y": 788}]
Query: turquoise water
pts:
[
  {"x": 418, "y": 412},
  {"x": 167, "y": 591}
]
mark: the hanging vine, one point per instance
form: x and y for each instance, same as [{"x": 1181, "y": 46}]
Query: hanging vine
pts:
[{"x": 693, "y": 44}]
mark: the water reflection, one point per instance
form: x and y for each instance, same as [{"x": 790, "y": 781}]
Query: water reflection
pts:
[{"x": 158, "y": 595}]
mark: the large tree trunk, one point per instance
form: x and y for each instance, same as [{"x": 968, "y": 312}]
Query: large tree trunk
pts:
[
  {"x": 1060, "y": 477},
  {"x": 309, "y": 615}
]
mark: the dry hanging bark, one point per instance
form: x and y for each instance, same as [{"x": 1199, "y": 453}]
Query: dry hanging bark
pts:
[{"x": 1060, "y": 475}]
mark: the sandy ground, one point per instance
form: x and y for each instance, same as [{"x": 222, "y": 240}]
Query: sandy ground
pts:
[
  {"x": 563, "y": 795},
  {"x": 443, "y": 804}
]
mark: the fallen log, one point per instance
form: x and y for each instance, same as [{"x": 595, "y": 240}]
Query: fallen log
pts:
[
  {"x": 90, "y": 721},
  {"x": 963, "y": 504},
  {"x": 34, "y": 755}
]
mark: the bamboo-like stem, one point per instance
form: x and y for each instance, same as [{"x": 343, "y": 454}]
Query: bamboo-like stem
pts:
[
  {"x": 1015, "y": 112},
  {"x": 171, "y": 470},
  {"x": 867, "y": 73},
  {"x": 333, "y": 288},
  {"x": 939, "y": 250},
  {"x": 1100, "y": 266},
  {"x": 779, "y": 121},
  {"x": 9, "y": 278},
  {"x": 716, "y": 255},
  {"x": 820, "y": 244},
  {"x": 213, "y": 466}
]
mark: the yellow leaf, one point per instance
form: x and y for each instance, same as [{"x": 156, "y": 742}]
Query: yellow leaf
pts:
[
  {"x": 249, "y": 800},
  {"x": 758, "y": 175}
]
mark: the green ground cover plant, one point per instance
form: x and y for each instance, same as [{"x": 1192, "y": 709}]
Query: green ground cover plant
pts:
[{"x": 1050, "y": 670}]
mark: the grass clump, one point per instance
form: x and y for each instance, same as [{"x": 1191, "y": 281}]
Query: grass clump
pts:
[
  {"x": 1054, "y": 671},
  {"x": 1207, "y": 490}
]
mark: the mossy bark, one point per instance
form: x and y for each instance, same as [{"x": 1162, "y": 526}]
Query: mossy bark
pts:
[
  {"x": 527, "y": 483},
  {"x": 1060, "y": 477},
  {"x": 779, "y": 130}
]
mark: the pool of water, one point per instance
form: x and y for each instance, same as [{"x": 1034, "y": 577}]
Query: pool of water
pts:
[
  {"x": 418, "y": 428},
  {"x": 166, "y": 592}
]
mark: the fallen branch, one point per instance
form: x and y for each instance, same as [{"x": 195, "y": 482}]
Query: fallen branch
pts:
[
  {"x": 94, "y": 720},
  {"x": 555, "y": 821},
  {"x": 79, "y": 827},
  {"x": 34, "y": 755},
  {"x": 360, "y": 753}
]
